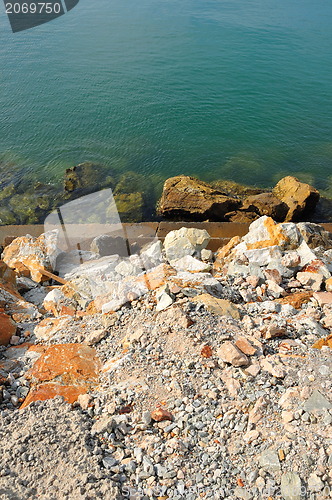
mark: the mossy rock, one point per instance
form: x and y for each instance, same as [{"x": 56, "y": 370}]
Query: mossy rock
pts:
[
  {"x": 85, "y": 178},
  {"x": 29, "y": 209},
  {"x": 130, "y": 206},
  {"x": 7, "y": 191},
  {"x": 7, "y": 217},
  {"x": 131, "y": 182}
]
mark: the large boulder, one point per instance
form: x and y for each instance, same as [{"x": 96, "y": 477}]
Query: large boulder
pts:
[
  {"x": 191, "y": 199},
  {"x": 301, "y": 198},
  {"x": 266, "y": 204},
  {"x": 29, "y": 256},
  {"x": 185, "y": 241}
]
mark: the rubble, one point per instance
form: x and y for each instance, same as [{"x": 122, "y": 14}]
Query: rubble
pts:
[{"x": 198, "y": 375}]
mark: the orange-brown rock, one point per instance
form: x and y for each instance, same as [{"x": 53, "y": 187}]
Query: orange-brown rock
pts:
[
  {"x": 327, "y": 341},
  {"x": 301, "y": 198},
  {"x": 49, "y": 391},
  {"x": 224, "y": 252},
  {"x": 29, "y": 256},
  {"x": 7, "y": 328},
  {"x": 157, "y": 277},
  {"x": 296, "y": 299},
  {"x": 160, "y": 414},
  {"x": 191, "y": 199},
  {"x": 70, "y": 364},
  {"x": 7, "y": 275}
]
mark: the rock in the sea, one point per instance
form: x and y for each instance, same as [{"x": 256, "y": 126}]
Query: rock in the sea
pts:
[
  {"x": 185, "y": 241},
  {"x": 83, "y": 178},
  {"x": 266, "y": 204},
  {"x": 191, "y": 199},
  {"x": 30, "y": 256},
  {"x": 129, "y": 206},
  {"x": 301, "y": 198}
]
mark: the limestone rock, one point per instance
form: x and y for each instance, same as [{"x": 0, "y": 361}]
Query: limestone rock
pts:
[
  {"x": 189, "y": 263},
  {"x": 185, "y": 241},
  {"x": 312, "y": 280},
  {"x": 291, "y": 486},
  {"x": 105, "y": 244},
  {"x": 316, "y": 402},
  {"x": 269, "y": 460},
  {"x": 192, "y": 199},
  {"x": 229, "y": 353},
  {"x": 323, "y": 298},
  {"x": 301, "y": 198},
  {"x": 30, "y": 256},
  {"x": 222, "y": 307},
  {"x": 315, "y": 483},
  {"x": 266, "y": 204}
]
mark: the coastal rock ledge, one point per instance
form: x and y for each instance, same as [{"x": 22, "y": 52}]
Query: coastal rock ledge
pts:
[{"x": 187, "y": 198}]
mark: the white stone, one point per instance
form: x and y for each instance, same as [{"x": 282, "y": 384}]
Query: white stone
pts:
[
  {"x": 313, "y": 280},
  {"x": 185, "y": 241},
  {"x": 189, "y": 263}
]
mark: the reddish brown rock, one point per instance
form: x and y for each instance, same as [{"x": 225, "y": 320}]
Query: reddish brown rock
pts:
[
  {"x": 7, "y": 328},
  {"x": 206, "y": 351},
  {"x": 300, "y": 198},
  {"x": 49, "y": 391},
  {"x": 191, "y": 199},
  {"x": 160, "y": 414},
  {"x": 7, "y": 275},
  {"x": 72, "y": 364},
  {"x": 245, "y": 346}
]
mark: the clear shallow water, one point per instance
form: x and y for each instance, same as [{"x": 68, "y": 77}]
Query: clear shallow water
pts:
[{"x": 238, "y": 89}]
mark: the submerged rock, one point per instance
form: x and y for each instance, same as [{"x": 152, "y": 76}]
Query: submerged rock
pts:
[
  {"x": 86, "y": 178},
  {"x": 129, "y": 206}
]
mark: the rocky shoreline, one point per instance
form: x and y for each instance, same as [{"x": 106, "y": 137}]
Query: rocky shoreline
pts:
[
  {"x": 174, "y": 372},
  {"x": 142, "y": 198}
]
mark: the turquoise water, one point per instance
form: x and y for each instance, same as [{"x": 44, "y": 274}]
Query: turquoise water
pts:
[{"x": 237, "y": 89}]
